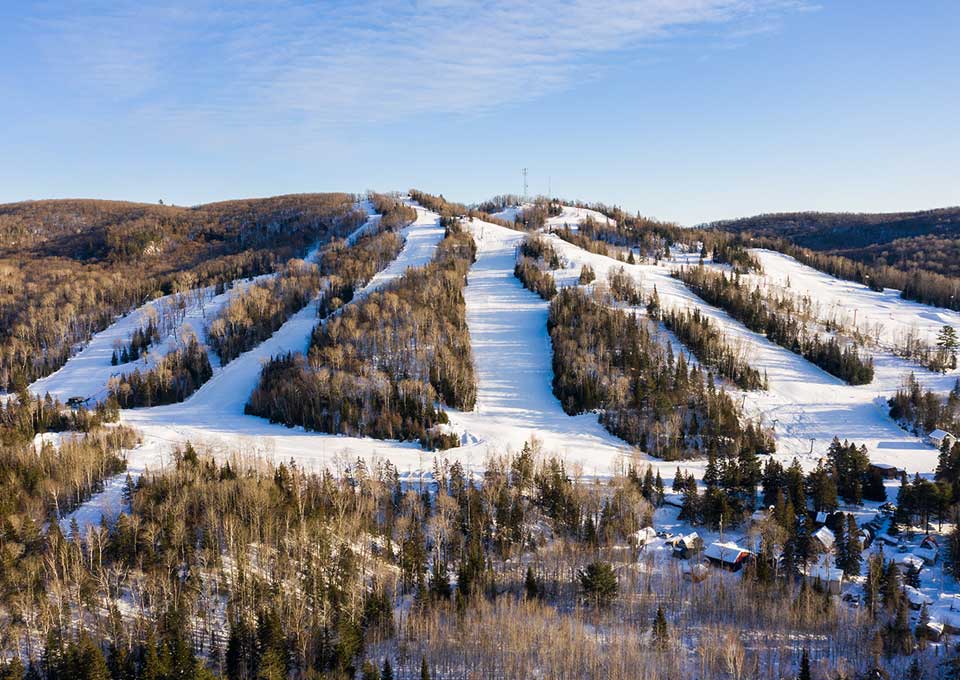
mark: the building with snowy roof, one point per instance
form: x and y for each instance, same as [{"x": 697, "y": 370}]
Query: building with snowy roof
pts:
[{"x": 728, "y": 555}]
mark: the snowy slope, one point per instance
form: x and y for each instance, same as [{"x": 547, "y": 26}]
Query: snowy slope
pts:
[
  {"x": 213, "y": 416},
  {"x": 571, "y": 216},
  {"x": 807, "y": 406},
  {"x": 885, "y": 316},
  {"x": 512, "y": 357}
]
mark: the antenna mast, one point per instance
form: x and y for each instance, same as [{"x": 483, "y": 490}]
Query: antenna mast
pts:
[{"x": 524, "y": 184}]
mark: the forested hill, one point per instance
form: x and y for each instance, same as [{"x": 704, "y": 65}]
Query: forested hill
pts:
[
  {"x": 68, "y": 267},
  {"x": 928, "y": 239}
]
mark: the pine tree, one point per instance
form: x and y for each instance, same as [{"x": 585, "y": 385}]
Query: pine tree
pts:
[
  {"x": 854, "y": 550},
  {"x": 530, "y": 585},
  {"x": 660, "y": 634},
  {"x": 678, "y": 480},
  {"x": 386, "y": 672},
  {"x": 424, "y": 669},
  {"x": 660, "y": 492},
  {"x": 804, "y": 666}
]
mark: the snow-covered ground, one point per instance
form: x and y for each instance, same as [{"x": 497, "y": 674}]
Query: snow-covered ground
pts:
[
  {"x": 884, "y": 316},
  {"x": 572, "y": 216}
]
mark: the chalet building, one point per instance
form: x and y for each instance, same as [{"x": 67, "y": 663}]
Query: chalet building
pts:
[
  {"x": 727, "y": 555},
  {"x": 938, "y": 437}
]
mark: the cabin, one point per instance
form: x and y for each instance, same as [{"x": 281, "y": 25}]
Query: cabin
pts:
[
  {"x": 685, "y": 547},
  {"x": 906, "y": 561},
  {"x": 644, "y": 536},
  {"x": 928, "y": 550},
  {"x": 884, "y": 470},
  {"x": 934, "y": 630},
  {"x": 827, "y": 578},
  {"x": 727, "y": 555},
  {"x": 915, "y": 598},
  {"x": 938, "y": 437},
  {"x": 825, "y": 537}
]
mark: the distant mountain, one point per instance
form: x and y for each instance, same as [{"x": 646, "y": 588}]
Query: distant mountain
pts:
[{"x": 928, "y": 239}]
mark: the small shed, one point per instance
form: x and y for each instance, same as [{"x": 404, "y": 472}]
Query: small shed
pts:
[
  {"x": 938, "y": 437},
  {"x": 905, "y": 561},
  {"x": 915, "y": 598},
  {"x": 727, "y": 555},
  {"x": 934, "y": 630},
  {"x": 644, "y": 536}
]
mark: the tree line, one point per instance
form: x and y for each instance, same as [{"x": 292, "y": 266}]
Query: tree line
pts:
[
  {"x": 611, "y": 361},
  {"x": 750, "y": 307},
  {"x": 382, "y": 366},
  {"x": 535, "y": 260},
  {"x": 922, "y": 411},
  {"x": 708, "y": 344},
  {"x": 175, "y": 377}
]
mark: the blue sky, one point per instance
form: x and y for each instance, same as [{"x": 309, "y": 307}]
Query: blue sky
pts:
[{"x": 688, "y": 110}]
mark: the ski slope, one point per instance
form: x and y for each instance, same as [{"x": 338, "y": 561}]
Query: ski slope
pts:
[
  {"x": 213, "y": 416},
  {"x": 884, "y": 316},
  {"x": 512, "y": 358},
  {"x": 511, "y": 349},
  {"x": 806, "y": 406}
]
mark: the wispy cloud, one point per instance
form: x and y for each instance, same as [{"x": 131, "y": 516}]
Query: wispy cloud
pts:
[{"x": 360, "y": 61}]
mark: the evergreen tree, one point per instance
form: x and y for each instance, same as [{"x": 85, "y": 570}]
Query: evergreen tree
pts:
[
  {"x": 599, "y": 583},
  {"x": 660, "y": 634},
  {"x": 530, "y": 585},
  {"x": 804, "y": 673},
  {"x": 386, "y": 673},
  {"x": 424, "y": 669}
]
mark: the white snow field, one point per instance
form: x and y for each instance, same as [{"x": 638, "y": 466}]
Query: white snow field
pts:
[{"x": 885, "y": 317}]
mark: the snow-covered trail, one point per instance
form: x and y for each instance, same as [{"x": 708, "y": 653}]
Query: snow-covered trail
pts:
[
  {"x": 806, "y": 405},
  {"x": 213, "y": 416},
  {"x": 884, "y": 316},
  {"x": 87, "y": 373},
  {"x": 512, "y": 358}
]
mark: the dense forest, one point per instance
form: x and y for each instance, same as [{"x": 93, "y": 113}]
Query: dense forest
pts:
[
  {"x": 69, "y": 267},
  {"x": 611, "y": 361},
  {"x": 252, "y": 315},
  {"x": 175, "y": 377},
  {"x": 757, "y": 313},
  {"x": 240, "y": 568},
  {"x": 255, "y": 314},
  {"x": 381, "y": 368}
]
